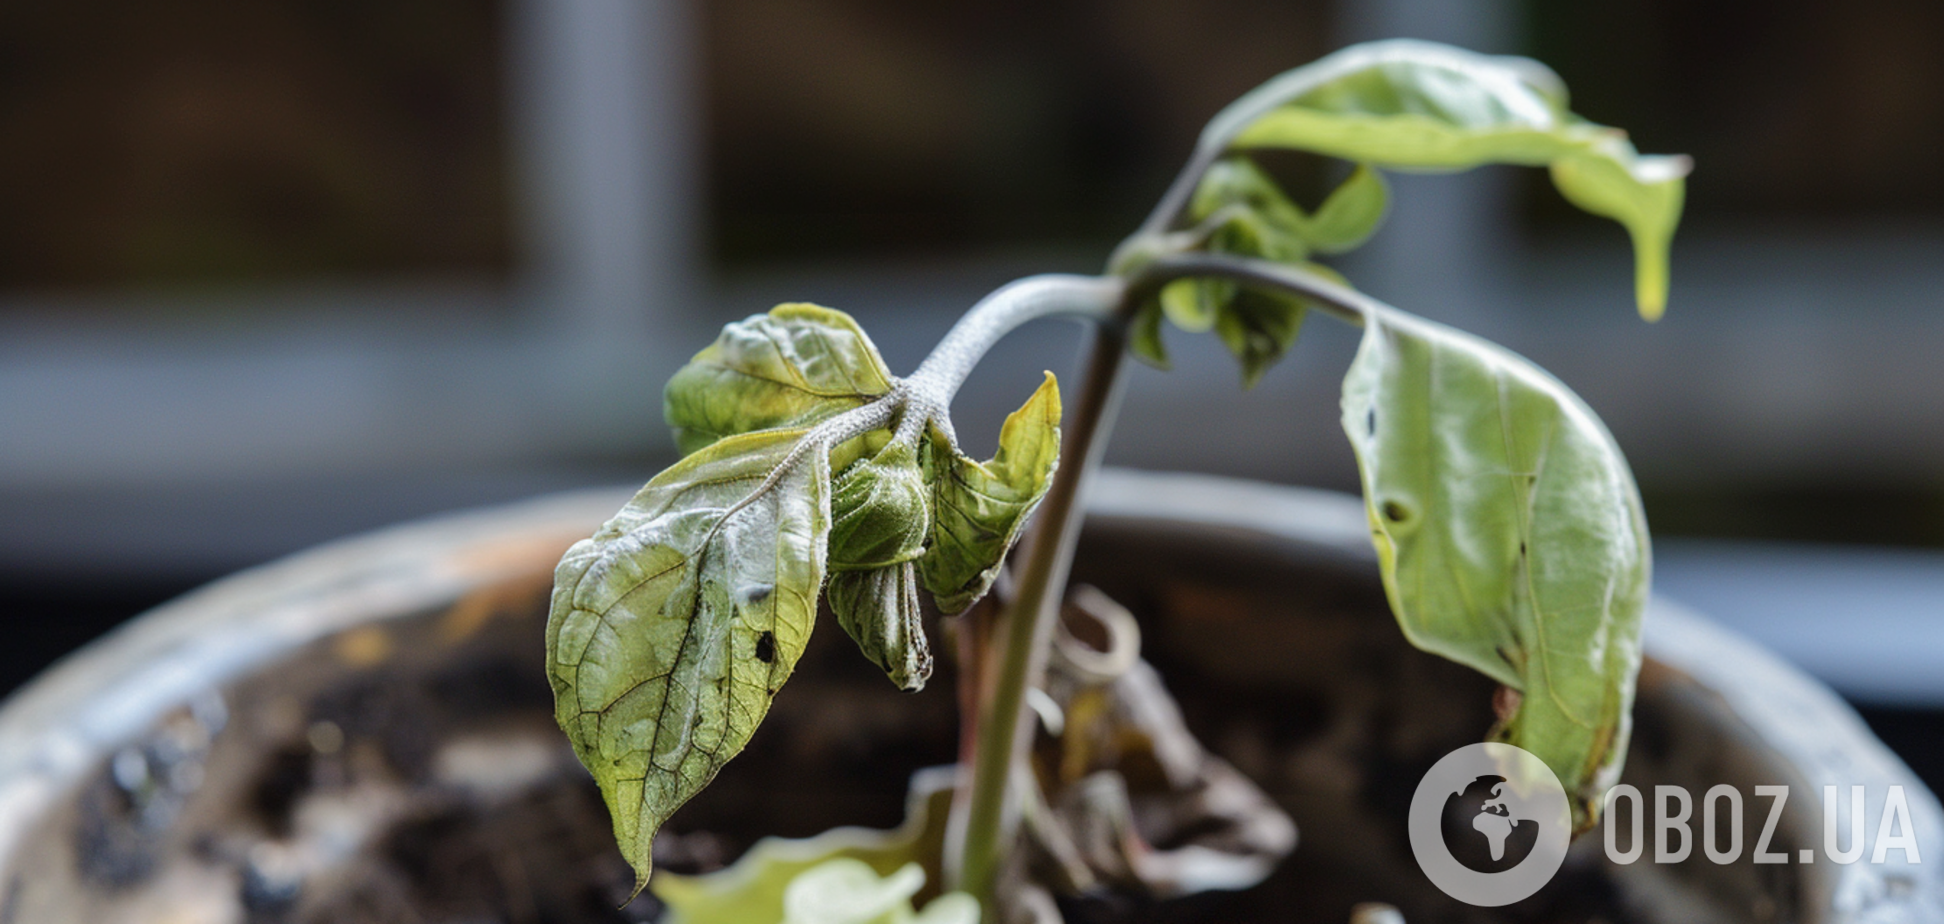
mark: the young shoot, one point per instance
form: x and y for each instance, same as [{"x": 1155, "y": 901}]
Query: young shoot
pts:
[{"x": 1507, "y": 524}]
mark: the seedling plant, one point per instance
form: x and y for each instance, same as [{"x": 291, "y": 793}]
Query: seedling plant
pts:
[{"x": 1507, "y": 525}]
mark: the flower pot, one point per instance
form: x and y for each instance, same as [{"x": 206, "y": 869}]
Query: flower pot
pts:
[{"x": 363, "y": 733}]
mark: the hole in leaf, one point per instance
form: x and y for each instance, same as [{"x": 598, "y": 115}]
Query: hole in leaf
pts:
[
  {"x": 1396, "y": 512},
  {"x": 1370, "y": 421},
  {"x": 766, "y": 647}
]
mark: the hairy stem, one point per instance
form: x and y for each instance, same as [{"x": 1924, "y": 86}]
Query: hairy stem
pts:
[{"x": 1051, "y": 295}]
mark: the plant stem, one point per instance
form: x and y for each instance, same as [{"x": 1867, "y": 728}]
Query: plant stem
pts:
[
  {"x": 998, "y": 314},
  {"x": 1021, "y": 635},
  {"x": 1338, "y": 301},
  {"x": 1023, "y": 632}
]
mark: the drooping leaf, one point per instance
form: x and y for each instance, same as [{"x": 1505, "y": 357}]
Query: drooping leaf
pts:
[
  {"x": 792, "y": 367},
  {"x": 1509, "y": 532},
  {"x": 1649, "y": 211},
  {"x": 980, "y": 507},
  {"x": 879, "y": 610},
  {"x": 1422, "y": 106},
  {"x": 880, "y": 520},
  {"x": 1259, "y": 327},
  {"x": 751, "y": 891},
  {"x": 674, "y": 626}
]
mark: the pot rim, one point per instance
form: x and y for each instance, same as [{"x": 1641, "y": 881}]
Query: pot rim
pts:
[{"x": 65, "y": 721}]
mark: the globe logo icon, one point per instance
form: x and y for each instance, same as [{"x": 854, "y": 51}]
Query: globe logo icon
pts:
[
  {"x": 1489, "y": 824},
  {"x": 1487, "y": 827}
]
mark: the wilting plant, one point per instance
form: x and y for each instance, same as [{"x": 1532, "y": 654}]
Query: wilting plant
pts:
[{"x": 1507, "y": 525}]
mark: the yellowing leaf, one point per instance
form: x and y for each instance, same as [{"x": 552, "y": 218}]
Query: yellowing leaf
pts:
[
  {"x": 980, "y": 507},
  {"x": 674, "y": 626},
  {"x": 1421, "y": 106},
  {"x": 792, "y": 367},
  {"x": 1509, "y": 533}
]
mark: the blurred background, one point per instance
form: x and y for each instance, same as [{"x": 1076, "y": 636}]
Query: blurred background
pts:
[{"x": 277, "y": 271}]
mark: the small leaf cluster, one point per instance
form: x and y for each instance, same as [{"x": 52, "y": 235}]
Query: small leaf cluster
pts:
[
  {"x": 1400, "y": 105},
  {"x": 674, "y": 626}
]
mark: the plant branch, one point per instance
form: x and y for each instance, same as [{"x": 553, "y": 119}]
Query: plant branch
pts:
[
  {"x": 998, "y": 314},
  {"x": 1337, "y": 300}
]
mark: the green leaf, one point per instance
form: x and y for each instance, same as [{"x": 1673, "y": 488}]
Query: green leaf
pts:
[
  {"x": 1509, "y": 532},
  {"x": 1422, "y": 106},
  {"x": 980, "y": 507},
  {"x": 1144, "y": 336},
  {"x": 1192, "y": 304},
  {"x": 1351, "y": 213},
  {"x": 1648, "y": 211},
  {"x": 1261, "y": 221},
  {"x": 674, "y": 626},
  {"x": 879, "y": 610},
  {"x": 880, "y": 521},
  {"x": 792, "y": 367},
  {"x": 880, "y": 511},
  {"x": 1259, "y": 327}
]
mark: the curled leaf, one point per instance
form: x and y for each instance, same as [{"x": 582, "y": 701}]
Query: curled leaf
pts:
[
  {"x": 673, "y": 627},
  {"x": 979, "y": 507},
  {"x": 1259, "y": 327},
  {"x": 1351, "y": 214},
  {"x": 1509, "y": 533},
  {"x": 1422, "y": 106},
  {"x": 1257, "y": 219},
  {"x": 879, "y": 609},
  {"x": 792, "y": 367},
  {"x": 880, "y": 511}
]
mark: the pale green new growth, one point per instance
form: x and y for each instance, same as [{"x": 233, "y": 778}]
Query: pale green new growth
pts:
[{"x": 1510, "y": 535}]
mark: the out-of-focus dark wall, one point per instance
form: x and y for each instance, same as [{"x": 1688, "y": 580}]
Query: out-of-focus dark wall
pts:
[
  {"x": 338, "y": 217},
  {"x": 221, "y": 142}
]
